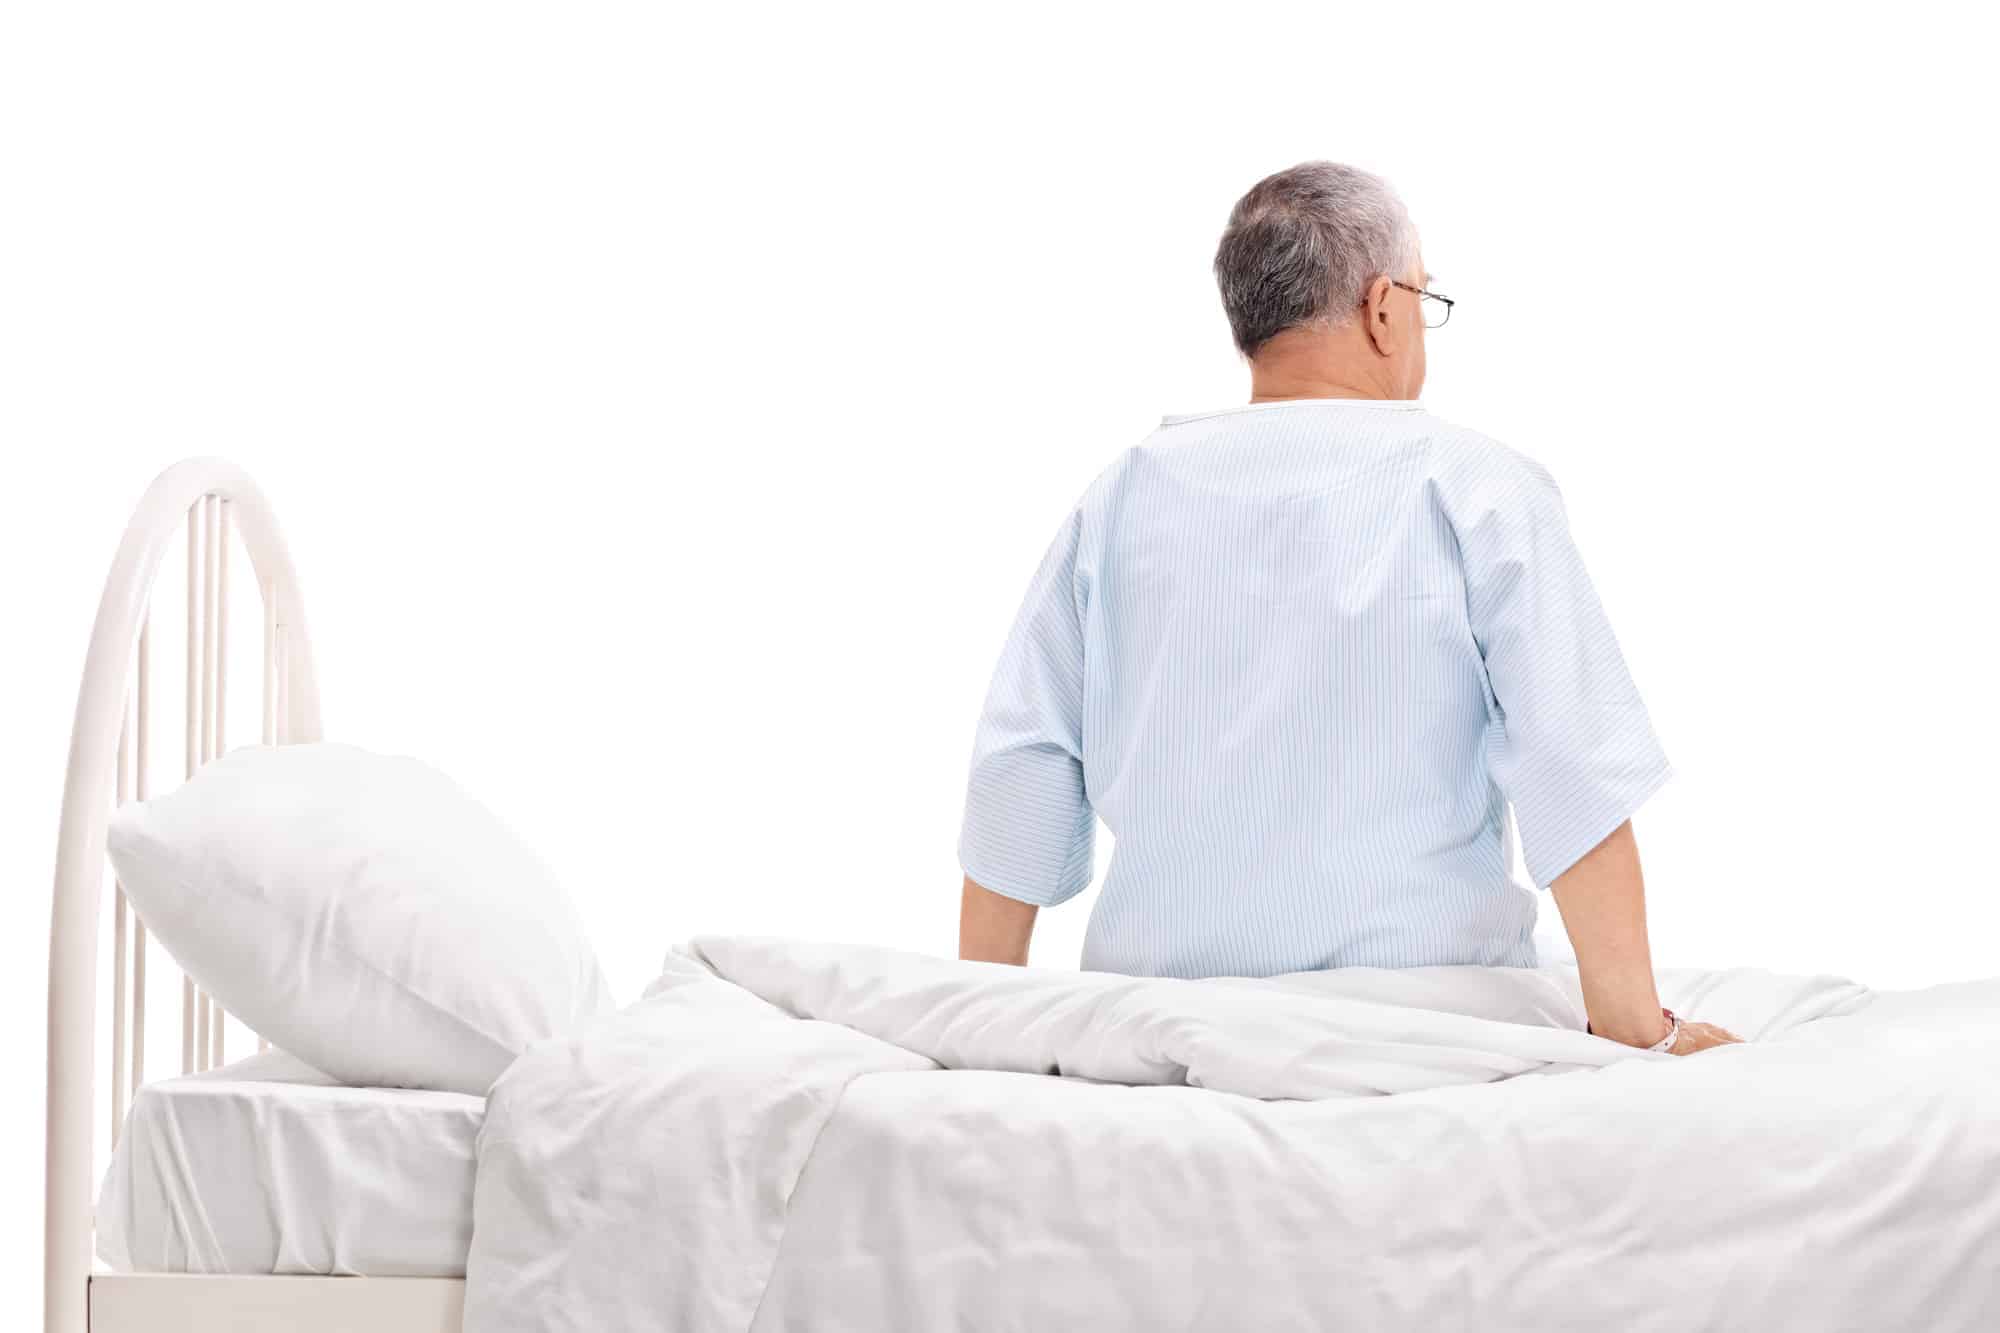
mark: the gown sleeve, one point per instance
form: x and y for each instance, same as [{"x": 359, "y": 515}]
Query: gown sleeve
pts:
[
  {"x": 1028, "y": 827},
  {"x": 1571, "y": 745}
]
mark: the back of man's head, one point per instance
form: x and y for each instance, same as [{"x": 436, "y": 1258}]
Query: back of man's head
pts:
[{"x": 1303, "y": 246}]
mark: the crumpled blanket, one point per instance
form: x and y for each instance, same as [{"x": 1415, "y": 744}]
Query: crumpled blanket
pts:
[{"x": 788, "y": 1135}]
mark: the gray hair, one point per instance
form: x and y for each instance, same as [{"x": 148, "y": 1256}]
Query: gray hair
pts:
[{"x": 1303, "y": 246}]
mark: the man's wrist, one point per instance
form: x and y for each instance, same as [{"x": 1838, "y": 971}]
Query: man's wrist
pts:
[{"x": 1646, "y": 1036}]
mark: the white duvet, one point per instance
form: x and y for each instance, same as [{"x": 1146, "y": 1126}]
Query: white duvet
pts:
[{"x": 790, "y": 1136}]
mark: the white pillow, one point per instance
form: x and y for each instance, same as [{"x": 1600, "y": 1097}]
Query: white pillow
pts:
[{"x": 360, "y": 911}]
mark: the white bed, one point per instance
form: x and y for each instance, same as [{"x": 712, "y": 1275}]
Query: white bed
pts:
[
  {"x": 268, "y": 1166},
  {"x": 785, "y": 1136}
]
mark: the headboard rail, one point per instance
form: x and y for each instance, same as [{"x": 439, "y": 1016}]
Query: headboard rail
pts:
[{"x": 111, "y": 760}]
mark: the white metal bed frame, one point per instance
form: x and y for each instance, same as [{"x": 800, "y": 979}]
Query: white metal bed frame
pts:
[{"x": 110, "y": 760}]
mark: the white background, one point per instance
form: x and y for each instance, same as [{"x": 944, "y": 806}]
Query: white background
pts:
[{"x": 667, "y": 414}]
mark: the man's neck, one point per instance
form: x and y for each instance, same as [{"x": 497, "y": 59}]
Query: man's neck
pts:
[
  {"x": 1276, "y": 390},
  {"x": 1302, "y": 363}
]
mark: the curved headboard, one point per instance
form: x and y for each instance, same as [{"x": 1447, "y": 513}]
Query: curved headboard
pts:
[{"x": 109, "y": 760}]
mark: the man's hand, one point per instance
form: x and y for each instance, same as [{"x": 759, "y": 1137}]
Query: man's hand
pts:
[{"x": 1701, "y": 1037}]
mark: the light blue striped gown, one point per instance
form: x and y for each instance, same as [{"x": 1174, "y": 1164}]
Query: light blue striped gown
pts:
[{"x": 1299, "y": 657}]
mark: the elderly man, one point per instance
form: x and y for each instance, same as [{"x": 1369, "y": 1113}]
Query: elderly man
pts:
[{"x": 1300, "y": 655}]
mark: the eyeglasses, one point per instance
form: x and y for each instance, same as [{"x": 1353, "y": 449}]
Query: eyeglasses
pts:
[{"x": 1437, "y": 309}]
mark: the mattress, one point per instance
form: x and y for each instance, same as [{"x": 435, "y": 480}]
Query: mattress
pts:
[{"x": 268, "y": 1166}]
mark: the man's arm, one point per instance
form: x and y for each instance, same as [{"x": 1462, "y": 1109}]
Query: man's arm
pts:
[
  {"x": 1603, "y": 902},
  {"x": 993, "y": 928}
]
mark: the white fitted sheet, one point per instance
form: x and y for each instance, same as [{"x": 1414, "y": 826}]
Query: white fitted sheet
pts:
[{"x": 267, "y": 1166}]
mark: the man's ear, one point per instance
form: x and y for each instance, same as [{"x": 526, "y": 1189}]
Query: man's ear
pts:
[{"x": 1375, "y": 314}]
